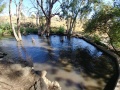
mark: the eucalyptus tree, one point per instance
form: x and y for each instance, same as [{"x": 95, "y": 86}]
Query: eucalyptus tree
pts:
[
  {"x": 18, "y": 34},
  {"x": 107, "y": 20},
  {"x": 47, "y": 9},
  {"x": 74, "y": 9},
  {"x": 2, "y": 5}
]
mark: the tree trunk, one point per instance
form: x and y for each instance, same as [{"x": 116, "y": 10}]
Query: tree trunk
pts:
[
  {"x": 49, "y": 18},
  {"x": 48, "y": 26},
  {"x": 37, "y": 18},
  {"x": 18, "y": 19},
  {"x": 15, "y": 34},
  {"x": 72, "y": 24},
  {"x": 10, "y": 15},
  {"x": 10, "y": 12},
  {"x": 47, "y": 13}
]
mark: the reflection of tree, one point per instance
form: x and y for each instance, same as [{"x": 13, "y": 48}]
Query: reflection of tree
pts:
[
  {"x": 61, "y": 39},
  {"x": 23, "y": 55},
  {"x": 19, "y": 44},
  {"x": 96, "y": 67},
  {"x": 100, "y": 66},
  {"x": 50, "y": 51}
]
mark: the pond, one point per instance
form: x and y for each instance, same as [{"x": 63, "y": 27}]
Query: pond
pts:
[{"x": 74, "y": 63}]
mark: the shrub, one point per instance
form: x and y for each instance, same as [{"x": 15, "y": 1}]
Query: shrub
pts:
[
  {"x": 61, "y": 30},
  {"x": 96, "y": 38},
  {"x": 1, "y": 31},
  {"x": 5, "y": 28},
  {"x": 22, "y": 29},
  {"x": 31, "y": 30},
  {"x": 28, "y": 28}
]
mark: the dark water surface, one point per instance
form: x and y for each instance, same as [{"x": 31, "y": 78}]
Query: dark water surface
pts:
[{"x": 74, "y": 63}]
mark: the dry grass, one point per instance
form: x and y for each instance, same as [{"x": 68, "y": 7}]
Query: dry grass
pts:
[{"x": 56, "y": 22}]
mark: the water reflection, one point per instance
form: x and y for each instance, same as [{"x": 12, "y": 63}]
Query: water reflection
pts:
[
  {"x": 23, "y": 53},
  {"x": 64, "y": 57}
]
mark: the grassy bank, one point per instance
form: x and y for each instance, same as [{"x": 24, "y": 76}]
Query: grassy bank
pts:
[{"x": 28, "y": 28}]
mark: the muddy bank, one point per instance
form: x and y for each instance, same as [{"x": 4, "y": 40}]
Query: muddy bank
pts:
[
  {"x": 20, "y": 76},
  {"x": 71, "y": 80}
]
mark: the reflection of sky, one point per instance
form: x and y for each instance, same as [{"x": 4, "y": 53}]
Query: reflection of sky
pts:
[
  {"x": 83, "y": 44},
  {"x": 44, "y": 49},
  {"x": 73, "y": 44}
]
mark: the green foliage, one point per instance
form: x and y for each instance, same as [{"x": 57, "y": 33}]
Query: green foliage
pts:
[
  {"x": 31, "y": 30},
  {"x": 61, "y": 30},
  {"x": 5, "y": 28},
  {"x": 58, "y": 30},
  {"x": 27, "y": 28},
  {"x": 115, "y": 33},
  {"x": 102, "y": 20},
  {"x": 106, "y": 20},
  {"x": 1, "y": 31},
  {"x": 73, "y": 9},
  {"x": 2, "y": 5},
  {"x": 96, "y": 38}
]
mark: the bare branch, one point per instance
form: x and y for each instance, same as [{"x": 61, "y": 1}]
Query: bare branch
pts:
[
  {"x": 33, "y": 4},
  {"x": 41, "y": 6}
]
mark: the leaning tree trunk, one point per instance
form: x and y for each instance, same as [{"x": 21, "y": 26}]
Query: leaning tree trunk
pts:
[
  {"x": 18, "y": 20},
  {"x": 15, "y": 34},
  {"x": 10, "y": 15}
]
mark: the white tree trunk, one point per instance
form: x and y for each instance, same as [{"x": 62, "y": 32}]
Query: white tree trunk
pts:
[
  {"x": 13, "y": 29},
  {"x": 15, "y": 34},
  {"x": 18, "y": 19}
]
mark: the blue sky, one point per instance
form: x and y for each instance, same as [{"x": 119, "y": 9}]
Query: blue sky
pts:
[{"x": 27, "y": 5}]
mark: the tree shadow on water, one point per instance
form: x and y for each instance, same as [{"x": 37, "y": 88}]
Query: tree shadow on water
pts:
[{"x": 95, "y": 67}]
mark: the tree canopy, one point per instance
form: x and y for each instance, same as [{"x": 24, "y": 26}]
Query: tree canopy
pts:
[
  {"x": 106, "y": 20},
  {"x": 73, "y": 9}
]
